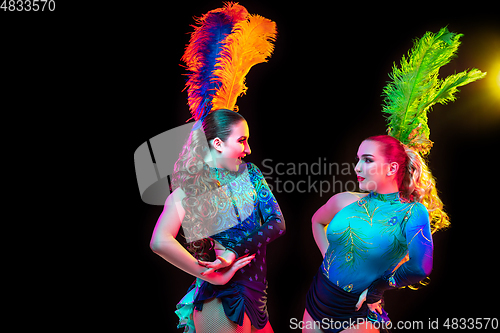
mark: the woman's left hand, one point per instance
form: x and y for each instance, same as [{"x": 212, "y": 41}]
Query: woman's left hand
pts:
[
  {"x": 226, "y": 274},
  {"x": 226, "y": 259},
  {"x": 375, "y": 307}
]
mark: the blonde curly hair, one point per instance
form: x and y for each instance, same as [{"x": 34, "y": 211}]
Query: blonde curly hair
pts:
[{"x": 415, "y": 180}]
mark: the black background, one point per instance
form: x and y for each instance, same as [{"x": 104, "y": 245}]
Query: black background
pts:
[
  {"x": 103, "y": 81},
  {"x": 319, "y": 97}
]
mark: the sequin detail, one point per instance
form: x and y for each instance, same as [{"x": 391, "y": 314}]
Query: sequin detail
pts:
[
  {"x": 372, "y": 316},
  {"x": 390, "y": 197},
  {"x": 392, "y": 221},
  {"x": 371, "y": 230},
  {"x": 348, "y": 288}
]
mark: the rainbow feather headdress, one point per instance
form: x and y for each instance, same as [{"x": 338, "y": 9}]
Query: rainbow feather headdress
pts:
[
  {"x": 415, "y": 88},
  {"x": 225, "y": 44}
]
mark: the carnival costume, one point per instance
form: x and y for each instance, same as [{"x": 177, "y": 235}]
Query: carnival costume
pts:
[
  {"x": 225, "y": 44},
  {"x": 371, "y": 239},
  {"x": 246, "y": 291}
]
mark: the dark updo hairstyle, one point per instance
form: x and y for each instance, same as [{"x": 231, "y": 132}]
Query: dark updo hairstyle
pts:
[
  {"x": 192, "y": 175},
  {"x": 218, "y": 124}
]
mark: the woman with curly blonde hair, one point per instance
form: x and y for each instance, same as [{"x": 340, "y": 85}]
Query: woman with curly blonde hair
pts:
[
  {"x": 374, "y": 241},
  {"x": 383, "y": 239}
]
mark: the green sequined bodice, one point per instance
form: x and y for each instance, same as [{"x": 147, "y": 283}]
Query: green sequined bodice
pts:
[{"x": 368, "y": 238}]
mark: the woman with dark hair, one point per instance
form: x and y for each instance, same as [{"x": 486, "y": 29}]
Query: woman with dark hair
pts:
[
  {"x": 222, "y": 203},
  {"x": 216, "y": 192}
]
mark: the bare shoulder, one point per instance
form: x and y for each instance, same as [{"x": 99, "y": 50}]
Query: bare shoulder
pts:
[
  {"x": 344, "y": 199},
  {"x": 175, "y": 198},
  {"x": 336, "y": 203},
  {"x": 170, "y": 220},
  {"x": 178, "y": 194},
  {"x": 174, "y": 211}
]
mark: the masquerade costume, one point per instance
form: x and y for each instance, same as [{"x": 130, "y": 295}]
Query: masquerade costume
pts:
[
  {"x": 246, "y": 291},
  {"x": 225, "y": 44},
  {"x": 370, "y": 239},
  {"x": 367, "y": 239}
]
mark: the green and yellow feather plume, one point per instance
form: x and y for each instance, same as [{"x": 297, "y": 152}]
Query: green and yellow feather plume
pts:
[{"x": 415, "y": 87}]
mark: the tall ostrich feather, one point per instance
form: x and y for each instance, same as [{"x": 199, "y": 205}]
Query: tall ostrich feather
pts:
[
  {"x": 415, "y": 87},
  {"x": 202, "y": 55}
]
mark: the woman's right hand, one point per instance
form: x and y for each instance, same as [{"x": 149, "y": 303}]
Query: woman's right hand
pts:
[
  {"x": 222, "y": 276},
  {"x": 375, "y": 307}
]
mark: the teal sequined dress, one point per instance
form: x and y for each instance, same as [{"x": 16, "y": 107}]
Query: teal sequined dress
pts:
[
  {"x": 259, "y": 223},
  {"x": 367, "y": 240}
]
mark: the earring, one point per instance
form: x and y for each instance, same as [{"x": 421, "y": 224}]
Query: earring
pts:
[{"x": 388, "y": 174}]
